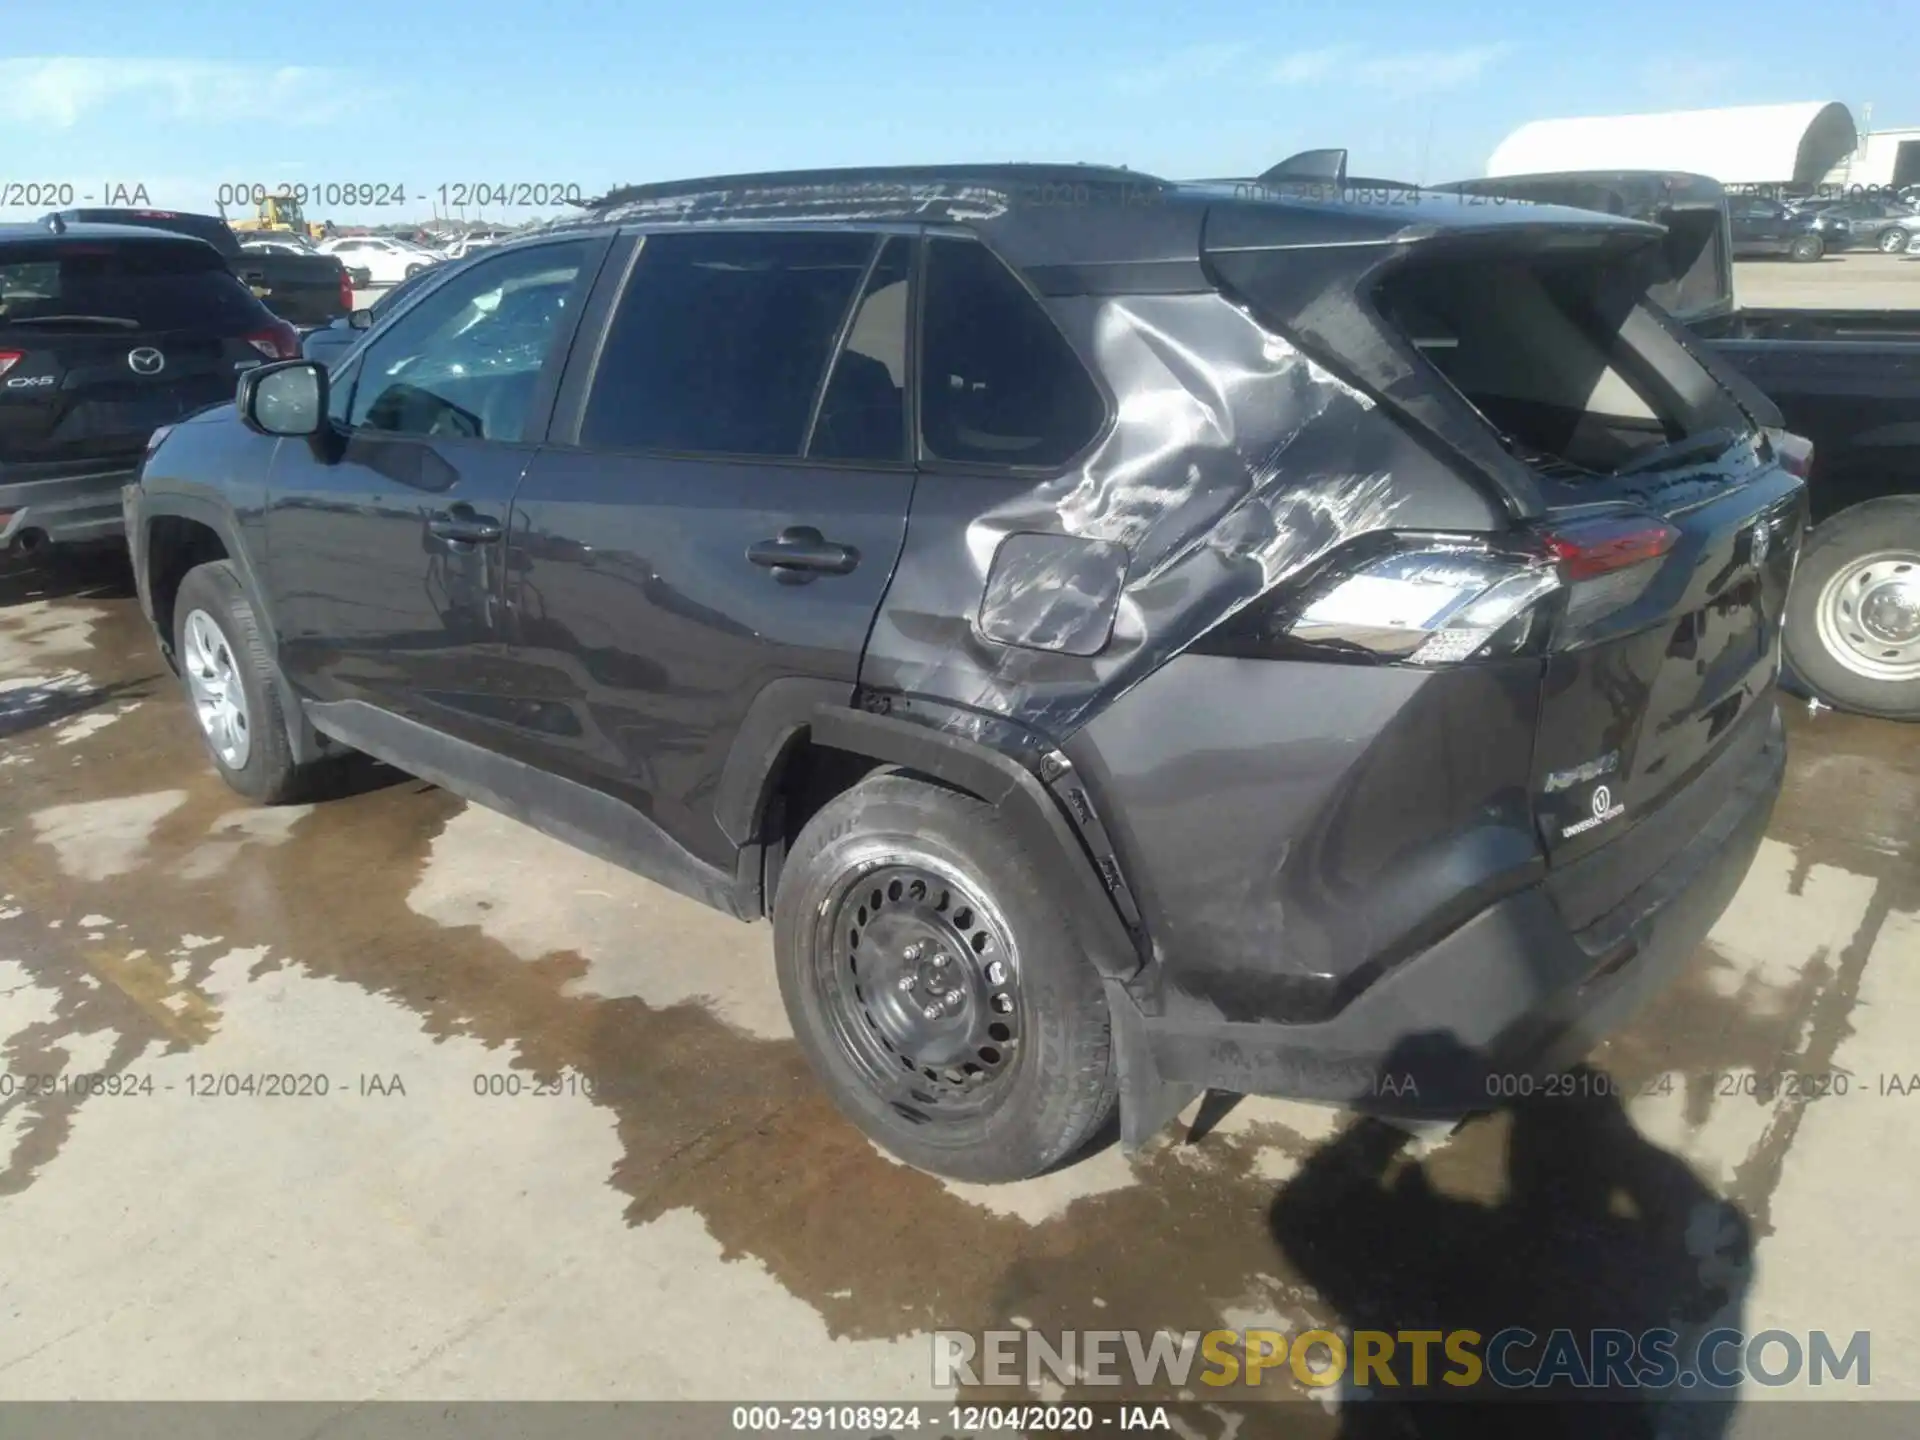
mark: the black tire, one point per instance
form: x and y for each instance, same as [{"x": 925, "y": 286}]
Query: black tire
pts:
[
  {"x": 1806, "y": 247},
  {"x": 1889, "y": 526},
  {"x": 269, "y": 774},
  {"x": 1057, "y": 1088},
  {"x": 1894, "y": 241},
  {"x": 413, "y": 270}
]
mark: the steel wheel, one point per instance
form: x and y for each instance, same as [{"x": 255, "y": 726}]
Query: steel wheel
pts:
[
  {"x": 1869, "y": 616},
  {"x": 917, "y": 976},
  {"x": 213, "y": 681}
]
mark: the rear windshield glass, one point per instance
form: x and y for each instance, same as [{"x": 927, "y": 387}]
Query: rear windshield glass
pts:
[
  {"x": 1559, "y": 357},
  {"x": 155, "y": 285}
]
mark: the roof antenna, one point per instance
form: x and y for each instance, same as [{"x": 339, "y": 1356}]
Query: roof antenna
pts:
[
  {"x": 56, "y": 224},
  {"x": 1328, "y": 165}
]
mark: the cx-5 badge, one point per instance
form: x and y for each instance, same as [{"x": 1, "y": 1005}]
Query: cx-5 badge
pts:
[{"x": 146, "y": 361}]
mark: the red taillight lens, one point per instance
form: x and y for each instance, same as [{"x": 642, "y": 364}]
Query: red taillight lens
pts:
[
  {"x": 279, "y": 341},
  {"x": 346, "y": 291},
  {"x": 1587, "y": 549},
  {"x": 10, "y": 358}
]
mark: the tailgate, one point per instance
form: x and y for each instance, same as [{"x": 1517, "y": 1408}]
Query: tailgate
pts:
[{"x": 1642, "y": 697}]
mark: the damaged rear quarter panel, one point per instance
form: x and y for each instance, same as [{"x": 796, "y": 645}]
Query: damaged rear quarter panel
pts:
[{"x": 1231, "y": 461}]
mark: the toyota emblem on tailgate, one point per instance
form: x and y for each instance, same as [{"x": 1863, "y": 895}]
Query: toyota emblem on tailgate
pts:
[{"x": 146, "y": 361}]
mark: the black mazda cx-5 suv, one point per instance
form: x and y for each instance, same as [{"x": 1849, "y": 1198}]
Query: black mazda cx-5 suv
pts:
[{"x": 1130, "y": 636}]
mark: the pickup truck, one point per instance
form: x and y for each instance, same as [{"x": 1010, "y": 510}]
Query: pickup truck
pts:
[
  {"x": 306, "y": 290},
  {"x": 1846, "y": 380}
]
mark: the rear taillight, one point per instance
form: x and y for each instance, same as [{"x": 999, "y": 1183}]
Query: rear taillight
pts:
[
  {"x": 10, "y": 358},
  {"x": 1422, "y": 599},
  {"x": 346, "y": 291},
  {"x": 1607, "y": 563},
  {"x": 1427, "y": 599},
  {"x": 279, "y": 341},
  {"x": 1588, "y": 549}
]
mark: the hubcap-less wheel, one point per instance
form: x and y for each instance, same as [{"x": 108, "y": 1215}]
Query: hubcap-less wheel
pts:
[
  {"x": 1869, "y": 616},
  {"x": 214, "y": 683},
  {"x": 1893, "y": 241},
  {"x": 918, "y": 979}
]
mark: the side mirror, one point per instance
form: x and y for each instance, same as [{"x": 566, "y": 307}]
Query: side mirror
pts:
[
  {"x": 361, "y": 319},
  {"x": 285, "y": 399}
]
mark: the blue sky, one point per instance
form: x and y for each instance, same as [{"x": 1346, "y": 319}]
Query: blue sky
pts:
[{"x": 184, "y": 95}]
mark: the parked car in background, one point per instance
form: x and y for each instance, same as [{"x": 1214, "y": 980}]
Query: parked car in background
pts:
[
  {"x": 1867, "y": 225},
  {"x": 106, "y": 334},
  {"x": 1846, "y": 380},
  {"x": 301, "y": 287},
  {"x": 385, "y": 260},
  {"x": 1761, "y": 226},
  {"x": 1187, "y": 638}
]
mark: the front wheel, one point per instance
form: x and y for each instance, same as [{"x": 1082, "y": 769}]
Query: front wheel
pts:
[
  {"x": 230, "y": 681},
  {"x": 936, "y": 986},
  {"x": 1806, "y": 247},
  {"x": 1853, "y": 617},
  {"x": 1893, "y": 242}
]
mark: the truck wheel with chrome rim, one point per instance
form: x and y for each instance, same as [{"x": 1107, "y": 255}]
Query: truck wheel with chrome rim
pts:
[
  {"x": 936, "y": 989},
  {"x": 1853, "y": 618},
  {"x": 228, "y": 673}
]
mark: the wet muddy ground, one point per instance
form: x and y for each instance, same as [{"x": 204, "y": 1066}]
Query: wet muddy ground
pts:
[{"x": 522, "y": 1125}]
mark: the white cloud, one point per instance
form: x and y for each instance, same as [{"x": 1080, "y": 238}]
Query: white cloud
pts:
[
  {"x": 62, "y": 90},
  {"x": 1307, "y": 66},
  {"x": 1194, "y": 62},
  {"x": 1410, "y": 72}
]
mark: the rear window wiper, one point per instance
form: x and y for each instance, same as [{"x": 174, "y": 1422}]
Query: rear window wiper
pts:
[
  {"x": 1688, "y": 447},
  {"x": 119, "y": 322}
]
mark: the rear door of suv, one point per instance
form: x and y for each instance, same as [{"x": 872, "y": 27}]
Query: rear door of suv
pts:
[
  {"x": 719, "y": 509},
  {"x": 103, "y": 340}
]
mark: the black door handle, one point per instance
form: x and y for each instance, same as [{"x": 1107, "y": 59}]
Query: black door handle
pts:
[
  {"x": 463, "y": 526},
  {"x": 800, "y": 552}
]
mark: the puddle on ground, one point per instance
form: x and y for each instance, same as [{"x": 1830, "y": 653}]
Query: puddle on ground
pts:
[{"x": 397, "y": 932}]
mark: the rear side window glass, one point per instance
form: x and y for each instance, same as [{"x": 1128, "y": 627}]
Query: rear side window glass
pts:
[
  {"x": 999, "y": 384},
  {"x": 863, "y": 412},
  {"x": 134, "y": 286},
  {"x": 721, "y": 341}
]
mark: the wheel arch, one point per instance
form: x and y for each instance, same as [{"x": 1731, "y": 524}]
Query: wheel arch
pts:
[
  {"x": 179, "y": 533},
  {"x": 800, "y": 729}
]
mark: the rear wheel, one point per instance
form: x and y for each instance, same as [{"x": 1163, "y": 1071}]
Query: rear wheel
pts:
[
  {"x": 1893, "y": 242},
  {"x": 1853, "y": 618},
  {"x": 937, "y": 988},
  {"x": 1806, "y": 247},
  {"x": 231, "y": 685}
]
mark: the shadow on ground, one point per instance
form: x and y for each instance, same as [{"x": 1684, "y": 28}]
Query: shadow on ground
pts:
[{"x": 1591, "y": 1229}]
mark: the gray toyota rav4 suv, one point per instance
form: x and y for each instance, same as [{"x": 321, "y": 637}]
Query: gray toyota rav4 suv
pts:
[{"x": 1129, "y": 636}]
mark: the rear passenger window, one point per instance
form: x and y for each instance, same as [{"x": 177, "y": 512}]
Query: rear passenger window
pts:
[
  {"x": 721, "y": 341},
  {"x": 999, "y": 385}
]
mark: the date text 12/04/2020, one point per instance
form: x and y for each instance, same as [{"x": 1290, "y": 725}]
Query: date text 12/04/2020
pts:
[{"x": 387, "y": 194}]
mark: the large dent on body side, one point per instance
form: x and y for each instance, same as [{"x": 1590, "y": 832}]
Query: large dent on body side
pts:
[{"x": 1223, "y": 473}]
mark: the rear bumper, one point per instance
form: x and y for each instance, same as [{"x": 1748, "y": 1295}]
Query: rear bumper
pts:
[
  {"x": 1513, "y": 991},
  {"x": 65, "y": 509}
]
